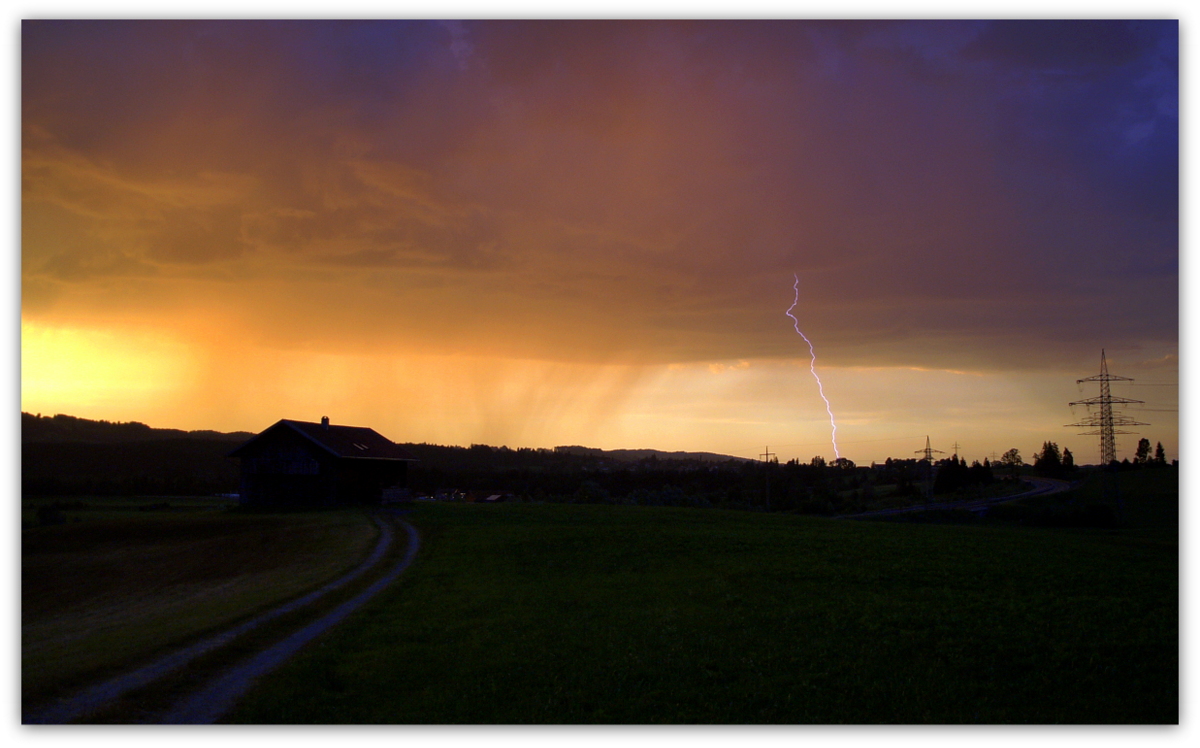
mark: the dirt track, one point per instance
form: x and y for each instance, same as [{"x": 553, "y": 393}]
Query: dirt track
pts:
[
  {"x": 209, "y": 703},
  {"x": 95, "y": 698}
]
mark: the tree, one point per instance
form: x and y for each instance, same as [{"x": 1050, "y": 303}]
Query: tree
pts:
[
  {"x": 1160, "y": 456},
  {"x": 818, "y": 461},
  {"x": 1012, "y": 460},
  {"x": 1049, "y": 460},
  {"x": 1068, "y": 460},
  {"x": 981, "y": 474},
  {"x": 950, "y": 476},
  {"x": 1143, "y": 452}
]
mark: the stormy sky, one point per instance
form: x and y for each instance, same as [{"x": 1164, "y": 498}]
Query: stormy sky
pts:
[{"x": 541, "y": 233}]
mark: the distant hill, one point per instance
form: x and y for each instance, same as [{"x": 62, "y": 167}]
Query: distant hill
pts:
[
  {"x": 62, "y": 428},
  {"x": 636, "y": 455},
  {"x": 65, "y": 455}
]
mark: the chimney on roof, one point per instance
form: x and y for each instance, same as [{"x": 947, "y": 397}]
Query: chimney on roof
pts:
[{"x": 325, "y": 422}]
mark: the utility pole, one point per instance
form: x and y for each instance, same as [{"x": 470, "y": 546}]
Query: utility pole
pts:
[
  {"x": 767, "y": 455},
  {"x": 956, "y": 452},
  {"x": 1103, "y": 422}
]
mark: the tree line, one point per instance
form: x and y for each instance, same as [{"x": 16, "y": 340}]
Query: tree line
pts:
[{"x": 1050, "y": 461}]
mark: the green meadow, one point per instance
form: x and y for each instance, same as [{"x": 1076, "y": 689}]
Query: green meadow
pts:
[{"x": 520, "y": 613}]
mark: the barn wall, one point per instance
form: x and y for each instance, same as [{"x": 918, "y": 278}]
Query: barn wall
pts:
[{"x": 284, "y": 469}]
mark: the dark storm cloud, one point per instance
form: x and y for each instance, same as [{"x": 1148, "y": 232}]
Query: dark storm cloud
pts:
[
  {"x": 1067, "y": 47},
  {"x": 1100, "y": 96},
  {"x": 630, "y": 189}
]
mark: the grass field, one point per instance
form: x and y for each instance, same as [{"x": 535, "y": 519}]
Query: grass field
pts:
[
  {"x": 1147, "y": 498},
  {"x": 120, "y": 580},
  {"x": 581, "y": 614}
]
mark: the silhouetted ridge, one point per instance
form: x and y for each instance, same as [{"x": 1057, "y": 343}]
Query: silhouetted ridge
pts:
[{"x": 63, "y": 428}]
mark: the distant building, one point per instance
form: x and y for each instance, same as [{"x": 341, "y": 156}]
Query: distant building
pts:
[{"x": 297, "y": 463}]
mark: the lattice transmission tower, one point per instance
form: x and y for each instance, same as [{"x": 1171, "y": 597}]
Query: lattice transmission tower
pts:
[
  {"x": 929, "y": 467},
  {"x": 928, "y": 451},
  {"x": 1103, "y": 421}
]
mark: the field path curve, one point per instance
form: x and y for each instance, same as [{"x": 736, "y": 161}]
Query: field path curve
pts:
[
  {"x": 215, "y": 699},
  {"x": 99, "y": 696}
]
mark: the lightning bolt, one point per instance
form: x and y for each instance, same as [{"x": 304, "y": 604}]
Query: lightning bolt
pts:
[{"x": 813, "y": 365}]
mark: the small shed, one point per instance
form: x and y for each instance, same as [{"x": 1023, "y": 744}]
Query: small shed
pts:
[{"x": 298, "y": 463}]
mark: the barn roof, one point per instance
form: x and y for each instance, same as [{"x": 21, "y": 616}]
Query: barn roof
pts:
[{"x": 349, "y": 442}]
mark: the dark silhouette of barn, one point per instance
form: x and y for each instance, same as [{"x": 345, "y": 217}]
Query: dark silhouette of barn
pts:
[{"x": 297, "y": 463}]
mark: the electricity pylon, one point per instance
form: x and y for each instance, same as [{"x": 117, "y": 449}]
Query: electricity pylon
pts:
[
  {"x": 928, "y": 452},
  {"x": 767, "y": 455},
  {"x": 1103, "y": 422}
]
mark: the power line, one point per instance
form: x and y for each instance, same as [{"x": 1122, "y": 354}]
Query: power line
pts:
[{"x": 1103, "y": 422}]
